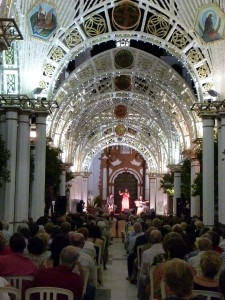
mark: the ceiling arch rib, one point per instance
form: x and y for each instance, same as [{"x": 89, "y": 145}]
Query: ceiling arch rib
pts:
[
  {"x": 175, "y": 31},
  {"x": 88, "y": 97}
]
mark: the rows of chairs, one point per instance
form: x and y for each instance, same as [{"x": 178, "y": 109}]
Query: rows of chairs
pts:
[{"x": 48, "y": 293}]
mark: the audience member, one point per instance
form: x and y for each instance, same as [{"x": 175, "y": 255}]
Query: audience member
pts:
[
  {"x": 62, "y": 276},
  {"x": 58, "y": 243},
  {"x": 35, "y": 252},
  {"x": 87, "y": 263},
  {"x": 16, "y": 263},
  {"x": 179, "y": 278},
  {"x": 210, "y": 264}
]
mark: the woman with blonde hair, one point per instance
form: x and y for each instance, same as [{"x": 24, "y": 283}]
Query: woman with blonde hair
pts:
[{"x": 210, "y": 264}]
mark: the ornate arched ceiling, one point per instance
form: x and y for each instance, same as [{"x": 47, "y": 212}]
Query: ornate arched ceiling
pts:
[
  {"x": 159, "y": 122},
  {"x": 158, "y": 102}
]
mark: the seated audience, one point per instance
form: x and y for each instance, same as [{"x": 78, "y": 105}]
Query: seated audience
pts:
[
  {"x": 89, "y": 247},
  {"x": 204, "y": 244},
  {"x": 58, "y": 243},
  {"x": 4, "y": 249},
  {"x": 16, "y": 263},
  {"x": 210, "y": 264},
  {"x": 179, "y": 279},
  {"x": 35, "y": 252},
  {"x": 87, "y": 263},
  {"x": 62, "y": 276}
]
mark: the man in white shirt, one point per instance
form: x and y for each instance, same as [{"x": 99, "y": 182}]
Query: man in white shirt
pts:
[
  {"x": 87, "y": 263},
  {"x": 147, "y": 260},
  {"x": 131, "y": 256}
]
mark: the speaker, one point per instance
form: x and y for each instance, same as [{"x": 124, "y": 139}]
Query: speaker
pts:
[{"x": 60, "y": 205}]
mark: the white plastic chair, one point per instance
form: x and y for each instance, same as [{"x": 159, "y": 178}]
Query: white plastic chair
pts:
[
  {"x": 17, "y": 281},
  {"x": 99, "y": 264},
  {"x": 6, "y": 290},
  {"x": 151, "y": 271},
  {"x": 86, "y": 276},
  {"x": 48, "y": 293},
  {"x": 207, "y": 294}
]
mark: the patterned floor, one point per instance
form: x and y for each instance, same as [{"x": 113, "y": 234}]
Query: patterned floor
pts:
[{"x": 116, "y": 287}]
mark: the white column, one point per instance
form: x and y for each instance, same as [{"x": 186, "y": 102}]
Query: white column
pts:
[
  {"x": 2, "y": 188},
  {"x": 195, "y": 200},
  {"x": 85, "y": 190},
  {"x": 38, "y": 187},
  {"x": 221, "y": 171},
  {"x": 177, "y": 189},
  {"x": 208, "y": 171},
  {"x": 152, "y": 192},
  {"x": 159, "y": 197},
  {"x": 104, "y": 183},
  {"x": 23, "y": 168},
  {"x": 11, "y": 141},
  {"x": 146, "y": 187},
  {"x": 62, "y": 185}
]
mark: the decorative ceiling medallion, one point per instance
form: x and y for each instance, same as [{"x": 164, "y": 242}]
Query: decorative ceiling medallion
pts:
[
  {"x": 120, "y": 130},
  {"x": 122, "y": 82},
  {"x": 210, "y": 23},
  {"x": 120, "y": 111},
  {"x": 42, "y": 20},
  {"x": 126, "y": 16},
  {"x": 124, "y": 59}
]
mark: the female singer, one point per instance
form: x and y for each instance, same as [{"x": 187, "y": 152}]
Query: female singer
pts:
[{"x": 125, "y": 199}]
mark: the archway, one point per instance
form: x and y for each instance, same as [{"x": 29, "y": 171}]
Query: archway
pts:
[{"x": 122, "y": 181}]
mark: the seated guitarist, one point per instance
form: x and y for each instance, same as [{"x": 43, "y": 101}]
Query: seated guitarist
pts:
[{"x": 110, "y": 203}]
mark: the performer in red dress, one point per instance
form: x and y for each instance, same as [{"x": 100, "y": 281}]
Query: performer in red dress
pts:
[{"x": 125, "y": 199}]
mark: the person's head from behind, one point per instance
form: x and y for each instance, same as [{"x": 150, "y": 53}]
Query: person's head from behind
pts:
[
  {"x": 35, "y": 245},
  {"x": 204, "y": 244},
  {"x": 210, "y": 263},
  {"x": 155, "y": 236},
  {"x": 17, "y": 242},
  {"x": 77, "y": 240},
  {"x": 179, "y": 277},
  {"x": 58, "y": 243},
  {"x": 175, "y": 247},
  {"x": 84, "y": 231},
  {"x": 68, "y": 257},
  {"x": 137, "y": 227}
]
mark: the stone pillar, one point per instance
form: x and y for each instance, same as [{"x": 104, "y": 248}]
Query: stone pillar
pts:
[
  {"x": 195, "y": 200},
  {"x": 104, "y": 177},
  {"x": 208, "y": 170},
  {"x": 221, "y": 170},
  {"x": 23, "y": 167},
  {"x": 85, "y": 188},
  {"x": 38, "y": 187},
  {"x": 159, "y": 197},
  {"x": 11, "y": 119},
  {"x": 146, "y": 187},
  {"x": 152, "y": 183},
  {"x": 177, "y": 188},
  {"x": 62, "y": 185}
]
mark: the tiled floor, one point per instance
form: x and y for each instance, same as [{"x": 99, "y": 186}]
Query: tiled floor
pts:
[{"x": 116, "y": 287}]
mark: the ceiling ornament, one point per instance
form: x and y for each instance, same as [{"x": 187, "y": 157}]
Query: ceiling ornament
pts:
[
  {"x": 120, "y": 130},
  {"x": 42, "y": 20},
  {"x": 122, "y": 82},
  {"x": 124, "y": 59},
  {"x": 158, "y": 25},
  {"x": 95, "y": 25},
  {"x": 120, "y": 111},
  {"x": 210, "y": 23},
  {"x": 126, "y": 16}
]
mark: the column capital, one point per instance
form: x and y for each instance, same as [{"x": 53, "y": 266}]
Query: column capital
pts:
[
  {"x": 189, "y": 153},
  {"x": 175, "y": 168}
]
